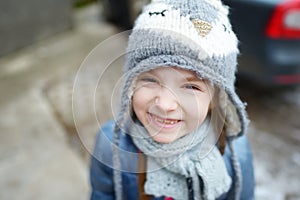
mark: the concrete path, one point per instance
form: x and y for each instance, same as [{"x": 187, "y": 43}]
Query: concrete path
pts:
[
  {"x": 36, "y": 160},
  {"x": 38, "y": 157}
]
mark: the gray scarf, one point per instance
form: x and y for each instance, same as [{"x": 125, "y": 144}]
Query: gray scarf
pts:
[{"x": 192, "y": 156}]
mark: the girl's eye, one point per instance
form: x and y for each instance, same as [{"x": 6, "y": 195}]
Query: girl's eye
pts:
[
  {"x": 193, "y": 87},
  {"x": 149, "y": 80}
]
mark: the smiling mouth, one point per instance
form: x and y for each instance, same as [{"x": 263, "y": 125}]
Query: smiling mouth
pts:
[{"x": 164, "y": 121}]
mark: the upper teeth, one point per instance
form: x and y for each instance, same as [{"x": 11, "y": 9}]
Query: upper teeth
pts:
[{"x": 165, "y": 121}]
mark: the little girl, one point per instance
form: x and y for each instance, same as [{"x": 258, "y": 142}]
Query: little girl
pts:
[{"x": 180, "y": 130}]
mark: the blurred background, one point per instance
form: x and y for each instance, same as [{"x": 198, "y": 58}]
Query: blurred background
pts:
[{"x": 44, "y": 150}]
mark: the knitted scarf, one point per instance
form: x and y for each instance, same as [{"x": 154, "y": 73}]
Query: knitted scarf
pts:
[{"x": 193, "y": 156}]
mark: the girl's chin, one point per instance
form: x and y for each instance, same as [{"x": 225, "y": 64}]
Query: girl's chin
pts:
[
  {"x": 165, "y": 136},
  {"x": 163, "y": 140}
]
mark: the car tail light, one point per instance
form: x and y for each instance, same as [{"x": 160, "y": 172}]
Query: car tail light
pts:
[
  {"x": 285, "y": 21},
  {"x": 287, "y": 79}
]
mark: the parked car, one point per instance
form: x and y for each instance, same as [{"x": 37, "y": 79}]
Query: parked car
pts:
[{"x": 269, "y": 34}]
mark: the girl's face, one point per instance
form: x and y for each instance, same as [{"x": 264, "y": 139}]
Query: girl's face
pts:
[{"x": 171, "y": 102}]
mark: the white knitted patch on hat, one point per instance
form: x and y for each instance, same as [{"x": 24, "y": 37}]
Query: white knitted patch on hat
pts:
[
  {"x": 220, "y": 40},
  {"x": 218, "y": 4}
]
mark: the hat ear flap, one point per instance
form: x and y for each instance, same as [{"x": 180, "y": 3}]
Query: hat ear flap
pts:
[
  {"x": 131, "y": 111},
  {"x": 130, "y": 94},
  {"x": 232, "y": 121},
  {"x": 214, "y": 98}
]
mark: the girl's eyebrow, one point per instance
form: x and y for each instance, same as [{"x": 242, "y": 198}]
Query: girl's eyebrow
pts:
[
  {"x": 192, "y": 79},
  {"x": 148, "y": 72}
]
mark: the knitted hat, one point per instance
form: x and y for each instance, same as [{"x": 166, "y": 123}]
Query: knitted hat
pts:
[{"x": 194, "y": 35}]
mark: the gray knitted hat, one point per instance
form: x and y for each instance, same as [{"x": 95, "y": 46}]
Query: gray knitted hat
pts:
[{"x": 194, "y": 35}]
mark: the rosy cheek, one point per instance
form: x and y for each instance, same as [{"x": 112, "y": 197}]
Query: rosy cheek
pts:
[
  {"x": 139, "y": 103},
  {"x": 136, "y": 103},
  {"x": 201, "y": 110}
]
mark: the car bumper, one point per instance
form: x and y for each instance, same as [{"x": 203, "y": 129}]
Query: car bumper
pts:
[{"x": 277, "y": 62}]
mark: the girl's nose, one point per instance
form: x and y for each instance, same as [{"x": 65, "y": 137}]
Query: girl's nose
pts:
[{"x": 166, "y": 100}]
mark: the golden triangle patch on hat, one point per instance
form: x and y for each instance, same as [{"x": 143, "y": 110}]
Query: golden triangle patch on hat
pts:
[{"x": 203, "y": 28}]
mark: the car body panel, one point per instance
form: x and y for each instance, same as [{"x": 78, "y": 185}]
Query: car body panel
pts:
[{"x": 263, "y": 59}]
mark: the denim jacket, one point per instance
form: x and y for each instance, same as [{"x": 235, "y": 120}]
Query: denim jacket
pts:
[{"x": 101, "y": 173}]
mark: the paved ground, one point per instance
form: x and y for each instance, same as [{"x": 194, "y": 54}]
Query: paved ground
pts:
[
  {"x": 43, "y": 157},
  {"x": 38, "y": 155},
  {"x": 275, "y": 137}
]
